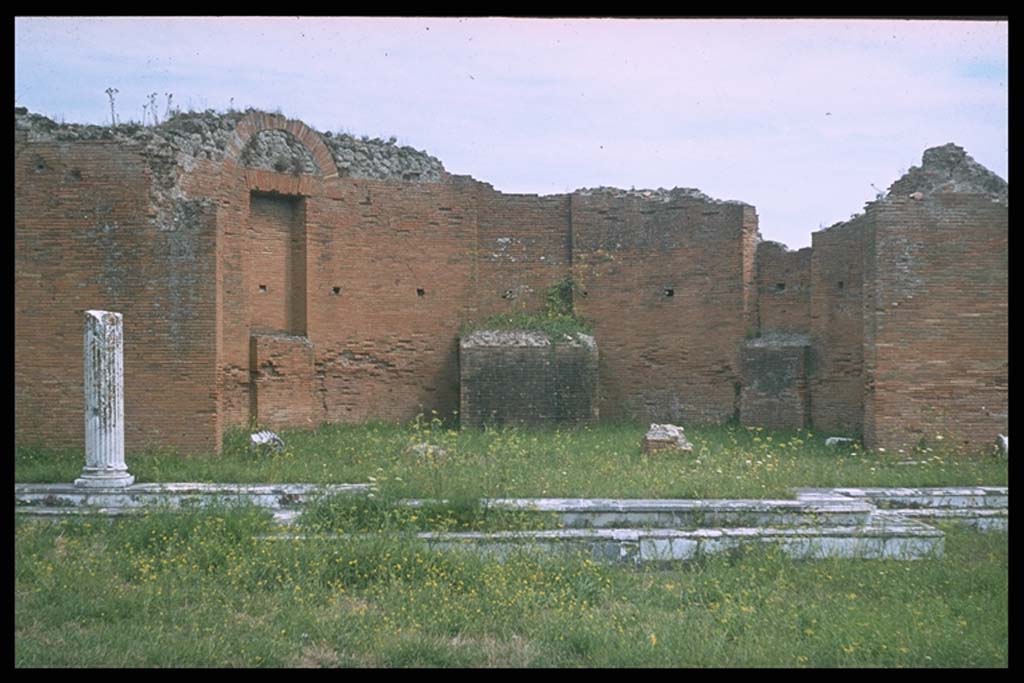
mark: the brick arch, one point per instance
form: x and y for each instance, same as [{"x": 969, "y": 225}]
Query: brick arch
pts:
[{"x": 257, "y": 122}]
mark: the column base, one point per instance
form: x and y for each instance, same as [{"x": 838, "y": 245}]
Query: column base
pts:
[{"x": 105, "y": 481}]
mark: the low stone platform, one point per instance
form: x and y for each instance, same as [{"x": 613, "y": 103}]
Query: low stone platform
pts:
[{"x": 867, "y": 523}]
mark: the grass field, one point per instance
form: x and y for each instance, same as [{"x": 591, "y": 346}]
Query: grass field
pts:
[
  {"x": 202, "y": 589},
  {"x": 600, "y": 461},
  {"x": 199, "y": 589}
]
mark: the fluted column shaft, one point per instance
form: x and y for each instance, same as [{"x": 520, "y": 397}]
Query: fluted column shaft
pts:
[{"x": 104, "y": 402}]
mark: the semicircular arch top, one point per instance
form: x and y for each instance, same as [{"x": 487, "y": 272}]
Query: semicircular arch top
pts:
[{"x": 257, "y": 122}]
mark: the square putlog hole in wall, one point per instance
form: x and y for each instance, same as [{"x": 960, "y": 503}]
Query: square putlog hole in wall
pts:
[
  {"x": 420, "y": 291},
  {"x": 780, "y": 287},
  {"x": 335, "y": 291},
  {"x": 263, "y": 289},
  {"x": 669, "y": 291}
]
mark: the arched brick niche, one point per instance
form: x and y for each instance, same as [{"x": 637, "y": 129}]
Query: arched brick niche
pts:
[{"x": 257, "y": 122}]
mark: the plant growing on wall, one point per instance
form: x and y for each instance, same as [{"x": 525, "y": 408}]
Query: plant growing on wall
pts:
[
  {"x": 559, "y": 297},
  {"x": 113, "y": 115},
  {"x": 558, "y": 320}
]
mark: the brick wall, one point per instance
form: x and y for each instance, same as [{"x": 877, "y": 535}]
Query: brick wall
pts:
[
  {"x": 283, "y": 389},
  {"x": 524, "y": 248},
  {"x": 89, "y": 235},
  {"x": 937, "y": 321},
  {"x": 783, "y": 288},
  {"x": 906, "y": 306},
  {"x": 837, "y": 327},
  {"x": 505, "y": 383},
  {"x": 663, "y": 282},
  {"x": 277, "y": 248},
  {"x": 391, "y": 278}
]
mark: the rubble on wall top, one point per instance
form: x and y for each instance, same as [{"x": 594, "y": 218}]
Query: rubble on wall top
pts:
[
  {"x": 660, "y": 195},
  {"x": 504, "y": 338},
  {"x": 949, "y": 168},
  {"x": 520, "y": 338},
  {"x": 944, "y": 169},
  {"x": 207, "y": 134},
  {"x": 197, "y": 133}
]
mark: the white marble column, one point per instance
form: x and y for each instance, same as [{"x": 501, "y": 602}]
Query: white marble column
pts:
[{"x": 104, "y": 402}]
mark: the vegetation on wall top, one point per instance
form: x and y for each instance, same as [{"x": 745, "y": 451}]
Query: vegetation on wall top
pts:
[{"x": 558, "y": 320}]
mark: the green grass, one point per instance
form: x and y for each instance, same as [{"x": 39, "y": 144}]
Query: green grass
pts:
[
  {"x": 202, "y": 589},
  {"x": 197, "y": 588},
  {"x": 600, "y": 461},
  {"x": 382, "y": 514}
]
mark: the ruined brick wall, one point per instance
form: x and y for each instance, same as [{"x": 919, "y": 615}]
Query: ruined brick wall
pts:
[
  {"x": 268, "y": 272},
  {"x": 937, "y": 321},
  {"x": 391, "y": 278},
  {"x": 837, "y": 327},
  {"x": 521, "y": 378},
  {"x": 524, "y": 248},
  {"x": 749, "y": 242},
  {"x": 775, "y": 393},
  {"x": 662, "y": 276},
  {"x": 93, "y": 231},
  {"x": 783, "y": 289}
]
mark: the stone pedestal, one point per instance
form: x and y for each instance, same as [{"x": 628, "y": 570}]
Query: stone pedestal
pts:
[{"x": 104, "y": 402}]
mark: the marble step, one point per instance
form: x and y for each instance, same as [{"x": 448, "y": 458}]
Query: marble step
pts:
[{"x": 892, "y": 539}]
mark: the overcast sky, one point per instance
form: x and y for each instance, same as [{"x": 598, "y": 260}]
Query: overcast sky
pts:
[{"x": 801, "y": 118}]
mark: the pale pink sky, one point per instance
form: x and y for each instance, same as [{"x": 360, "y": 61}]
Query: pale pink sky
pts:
[{"x": 797, "y": 117}]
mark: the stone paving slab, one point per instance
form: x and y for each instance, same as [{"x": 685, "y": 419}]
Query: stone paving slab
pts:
[
  {"x": 924, "y": 497},
  {"x": 981, "y": 519},
  {"x": 604, "y": 512},
  {"x": 173, "y": 495}
]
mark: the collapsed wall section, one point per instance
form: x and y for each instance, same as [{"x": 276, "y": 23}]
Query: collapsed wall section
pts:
[
  {"x": 96, "y": 228},
  {"x": 662, "y": 277}
]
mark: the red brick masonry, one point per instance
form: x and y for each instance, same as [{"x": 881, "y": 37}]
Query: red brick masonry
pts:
[{"x": 293, "y": 299}]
